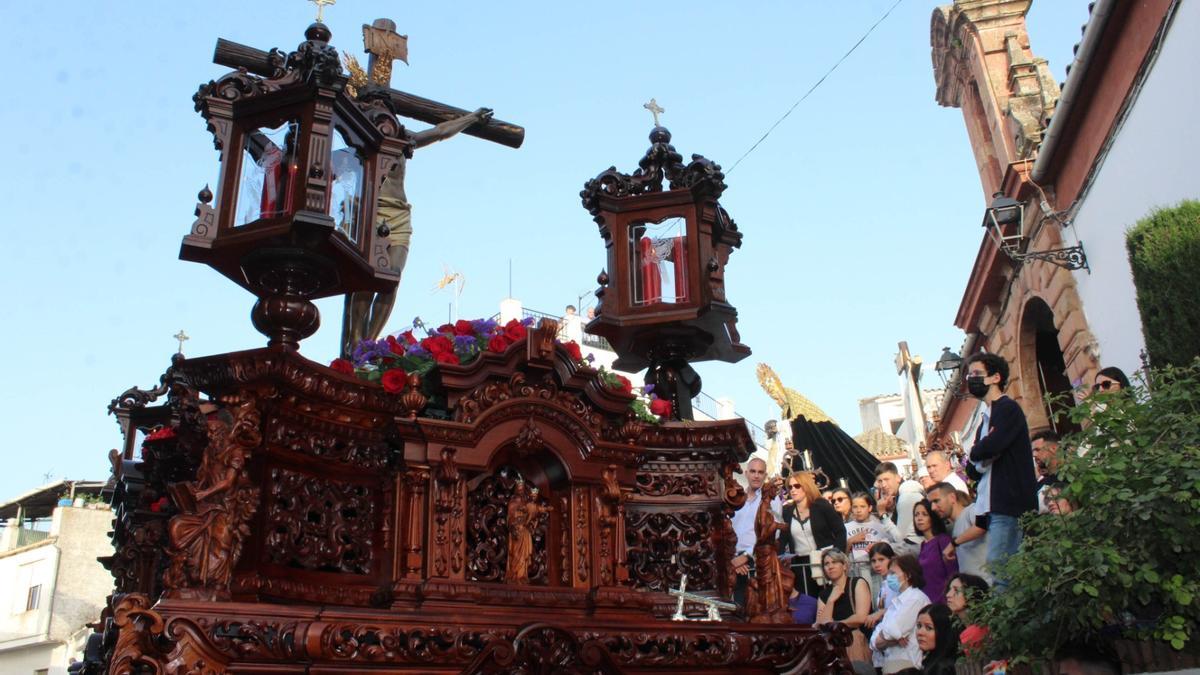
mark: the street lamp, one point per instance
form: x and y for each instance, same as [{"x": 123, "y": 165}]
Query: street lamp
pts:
[
  {"x": 1004, "y": 221},
  {"x": 947, "y": 364}
]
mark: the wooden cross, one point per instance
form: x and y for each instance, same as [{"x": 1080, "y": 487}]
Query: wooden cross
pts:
[
  {"x": 321, "y": 6},
  {"x": 652, "y": 106},
  {"x": 385, "y": 45},
  {"x": 181, "y": 336}
]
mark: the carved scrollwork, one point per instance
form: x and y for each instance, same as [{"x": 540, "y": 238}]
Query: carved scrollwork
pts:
[
  {"x": 318, "y": 524},
  {"x": 529, "y": 438},
  {"x": 338, "y": 444},
  {"x": 542, "y": 648},
  {"x": 487, "y": 531},
  {"x": 678, "y": 484},
  {"x": 448, "y": 515},
  {"x": 214, "y": 510},
  {"x": 662, "y": 545},
  {"x": 140, "y": 644},
  {"x": 351, "y": 642}
]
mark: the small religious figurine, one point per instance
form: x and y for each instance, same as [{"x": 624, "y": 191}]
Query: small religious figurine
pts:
[
  {"x": 366, "y": 313},
  {"x": 523, "y": 514},
  {"x": 767, "y": 601}
]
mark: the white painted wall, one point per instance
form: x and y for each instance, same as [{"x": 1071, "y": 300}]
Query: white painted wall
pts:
[{"x": 1154, "y": 162}]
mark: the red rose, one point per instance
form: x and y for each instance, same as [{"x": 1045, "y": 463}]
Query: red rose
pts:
[
  {"x": 660, "y": 407},
  {"x": 446, "y": 357},
  {"x": 160, "y": 434},
  {"x": 342, "y": 366},
  {"x": 626, "y": 385},
  {"x": 445, "y": 328},
  {"x": 498, "y": 344},
  {"x": 394, "y": 380},
  {"x": 438, "y": 344},
  {"x": 408, "y": 338},
  {"x": 463, "y": 327},
  {"x": 395, "y": 346},
  {"x": 572, "y": 348},
  {"x": 514, "y": 330}
]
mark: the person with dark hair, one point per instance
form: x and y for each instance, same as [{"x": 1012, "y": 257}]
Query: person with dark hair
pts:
[
  {"x": 881, "y": 555},
  {"x": 894, "y": 642},
  {"x": 968, "y": 541},
  {"x": 894, "y": 500},
  {"x": 961, "y": 591},
  {"x": 936, "y": 638},
  {"x": 934, "y": 567},
  {"x": 864, "y": 529},
  {"x": 840, "y": 498},
  {"x": 1047, "y": 461},
  {"x": 1004, "y": 443},
  {"x": 1110, "y": 380}
]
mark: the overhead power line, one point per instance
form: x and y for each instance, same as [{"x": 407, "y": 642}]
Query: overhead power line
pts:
[{"x": 815, "y": 85}]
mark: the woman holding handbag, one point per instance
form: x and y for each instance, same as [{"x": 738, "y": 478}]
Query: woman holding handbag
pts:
[{"x": 845, "y": 599}]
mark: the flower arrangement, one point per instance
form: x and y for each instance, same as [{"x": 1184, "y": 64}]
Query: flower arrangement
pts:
[{"x": 389, "y": 361}]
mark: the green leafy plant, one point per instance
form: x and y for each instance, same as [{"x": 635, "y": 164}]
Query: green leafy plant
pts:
[
  {"x": 1163, "y": 249},
  {"x": 1123, "y": 564}
]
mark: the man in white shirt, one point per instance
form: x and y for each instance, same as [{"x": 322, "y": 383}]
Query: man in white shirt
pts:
[
  {"x": 940, "y": 471},
  {"x": 969, "y": 541},
  {"x": 743, "y": 525},
  {"x": 895, "y": 501}
]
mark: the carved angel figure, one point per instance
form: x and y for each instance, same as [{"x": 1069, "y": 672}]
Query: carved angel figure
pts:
[{"x": 207, "y": 535}]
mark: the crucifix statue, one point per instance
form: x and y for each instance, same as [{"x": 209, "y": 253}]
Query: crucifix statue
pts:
[
  {"x": 366, "y": 313},
  {"x": 321, "y": 7}
]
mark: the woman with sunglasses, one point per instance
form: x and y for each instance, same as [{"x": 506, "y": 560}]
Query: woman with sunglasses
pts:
[
  {"x": 811, "y": 524},
  {"x": 846, "y": 599},
  {"x": 840, "y": 498},
  {"x": 1110, "y": 380}
]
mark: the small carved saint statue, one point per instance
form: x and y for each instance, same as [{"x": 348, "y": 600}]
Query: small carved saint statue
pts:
[{"x": 523, "y": 514}]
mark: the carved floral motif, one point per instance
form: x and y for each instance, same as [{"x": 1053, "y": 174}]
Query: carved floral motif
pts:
[
  {"x": 315, "y": 523},
  {"x": 663, "y": 545}
]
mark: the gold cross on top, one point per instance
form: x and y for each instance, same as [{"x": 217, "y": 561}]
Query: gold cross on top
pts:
[
  {"x": 321, "y": 6},
  {"x": 181, "y": 336},
  {"x": 652, "y": 106}
]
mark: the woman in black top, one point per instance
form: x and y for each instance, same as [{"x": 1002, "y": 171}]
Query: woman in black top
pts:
[
  {"x": 935, "y": 637},
  {"x": 845, "y": 599},
  {"x": 811, "y": 524}
]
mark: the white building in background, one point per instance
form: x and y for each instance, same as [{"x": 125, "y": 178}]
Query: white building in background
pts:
[
  {"x": 53, "y": 586},
  {"x": 1150, "y": 158}
]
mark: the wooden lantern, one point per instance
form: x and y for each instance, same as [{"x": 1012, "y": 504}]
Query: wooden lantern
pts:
[
  {"x": 662, "y": 298},
  {"x": 301, "y": 163}
]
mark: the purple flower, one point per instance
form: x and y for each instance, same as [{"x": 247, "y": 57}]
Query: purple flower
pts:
[
  {"x": 370, "y": 350},
  {"x": 485, "y": 326},
  {"x": 528, "y": 321},
  {"x": 648, "y": 388},
  {"x": 590, "y": 358},
  {"x": 417, "y": 351},
  {"x": 463, "y": 342}
]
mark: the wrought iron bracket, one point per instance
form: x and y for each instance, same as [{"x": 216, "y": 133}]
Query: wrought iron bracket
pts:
[{"x": 1070, "y": 258}]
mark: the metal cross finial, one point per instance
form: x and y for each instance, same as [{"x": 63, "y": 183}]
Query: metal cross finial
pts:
[
  {"x": 654, "y": 109},
  {"x": 181, "y": 336},
  {"x": 321, "y": 7}
]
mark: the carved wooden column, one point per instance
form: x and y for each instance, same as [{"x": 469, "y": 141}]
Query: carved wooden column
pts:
[
  {"x": 416, "y": 483},
  {"x": 447, "y": 518}
]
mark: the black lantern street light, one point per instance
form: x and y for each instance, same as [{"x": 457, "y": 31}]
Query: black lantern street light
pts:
[
  {"x": 1004, "y": 220},
  {"x": 947, "y": 364}
]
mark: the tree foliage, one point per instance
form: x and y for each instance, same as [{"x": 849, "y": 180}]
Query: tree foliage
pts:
[
  {"x": 1125, "y": 563},
  {"x": 1164, "y": 249}
]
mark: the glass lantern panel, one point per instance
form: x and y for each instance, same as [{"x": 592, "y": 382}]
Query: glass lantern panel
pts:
[
  {"x": 658, "y": 252},
  {"x": 267, "y": 185},
  {"x": 346, "y": 188}
]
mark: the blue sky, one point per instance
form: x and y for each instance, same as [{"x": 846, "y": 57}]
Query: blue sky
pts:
[{"x": 860, "y": 211}]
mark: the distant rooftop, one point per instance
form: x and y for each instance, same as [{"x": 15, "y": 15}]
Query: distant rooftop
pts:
[{"x": 40, "y": 502}]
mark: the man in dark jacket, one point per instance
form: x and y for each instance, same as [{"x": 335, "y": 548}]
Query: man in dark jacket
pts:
[{"x": 1004, "y": 442}]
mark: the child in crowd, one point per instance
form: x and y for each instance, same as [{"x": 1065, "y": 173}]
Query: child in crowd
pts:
[{"x": 863, "y": 530}]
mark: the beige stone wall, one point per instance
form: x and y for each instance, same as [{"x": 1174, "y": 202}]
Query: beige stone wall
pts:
[{"x": 83, "y": 583}]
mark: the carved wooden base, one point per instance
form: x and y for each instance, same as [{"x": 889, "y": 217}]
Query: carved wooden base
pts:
[{"x": 178, "y": 636}]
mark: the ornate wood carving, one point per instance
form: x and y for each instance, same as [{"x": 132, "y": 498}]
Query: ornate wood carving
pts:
[
  {"x": 663, "y": 545},
  {"x": 610, "y": 507},
  {"x": 524, "y": 512},
  {"x": 542, "y": 648},
  {"x": 207, "y": 535},
  {"x": 448, "y": 516},
  {"x": 529, "y": 438},
  {"x": 583, "y": 535},
  {"x": 320, "y": 524},
  {"x": 767, "y": 598},
  {"x": 416, "y": 482},
  {"x": 140, "y": 646},
  {"x": 339, "y": 443},
  {"x": 487, "y": 531}
]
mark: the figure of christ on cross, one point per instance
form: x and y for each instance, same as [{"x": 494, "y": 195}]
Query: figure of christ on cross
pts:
[{"x": 366, "y": 313}]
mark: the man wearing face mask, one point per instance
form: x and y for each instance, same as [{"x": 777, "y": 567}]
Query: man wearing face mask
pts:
[{"x": 1004, "y": 442}]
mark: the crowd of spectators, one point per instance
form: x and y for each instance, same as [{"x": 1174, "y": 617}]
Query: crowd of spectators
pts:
[{"x": 901, "y": 564}]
